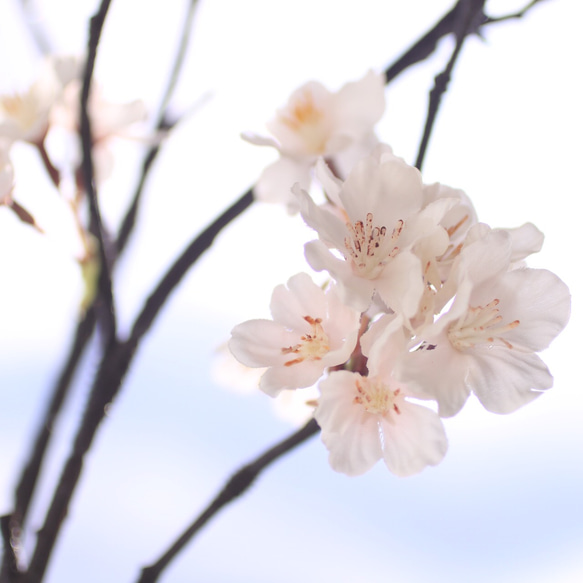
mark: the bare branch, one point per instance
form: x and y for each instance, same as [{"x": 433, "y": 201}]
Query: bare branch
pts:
[
  {"x": 189, "y": 256},
  {"x": 105, "y": 293},
  {"x": 468, "y": 19},
  {"x": 235, "y": 486},
  {"x": 162, "y": 124}
]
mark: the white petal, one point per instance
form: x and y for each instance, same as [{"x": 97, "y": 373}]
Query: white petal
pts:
[
  {"x": 359, "y": 105},
  {"x": 505, "y": 379},
  {"x": 301, "y": 298},
  {"x": 297, "y": 376},
  {"x": 537, "y": 298},
  {"x": 400, "y": 284},
  {"x": 414, "y": 440},
  {"x": 258, "y": 343},
  {"x": 526, "y": 240},
  {"x": 437, "y": 373},
  {"x": 276, "y": 181}
]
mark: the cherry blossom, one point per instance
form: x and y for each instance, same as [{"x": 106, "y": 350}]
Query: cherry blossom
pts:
[
  {"x": 486, "y": 342},
  {"x": 381, "y": 223},
  {"x": 368, "y": 418},
  {"x": 317, "y": 122},
  {"x": 311, "y": 330},
  {"x": 25, "y": 115}
]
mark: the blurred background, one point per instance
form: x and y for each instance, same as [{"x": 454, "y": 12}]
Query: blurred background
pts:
[{"x": 505, "y": 504}]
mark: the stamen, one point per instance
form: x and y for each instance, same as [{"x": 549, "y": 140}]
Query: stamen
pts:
[
  {"x": 376, "y": 397},
  {"x": 455, "y": 227},
  {"x": 313, "y": 346},
  {"x": 363, "y": 245},
  {"x": 480, "y": 325}
]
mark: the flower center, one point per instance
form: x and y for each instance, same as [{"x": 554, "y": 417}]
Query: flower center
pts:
[
  {"x": 480, "y": 325},
  {"x": 366, "y": 246},
  {"x": 307, "y": 120},
  {"x": 313, "y": 346},
  {"x": 376, "y": 397},
  {"x": 19, "y": 108}
]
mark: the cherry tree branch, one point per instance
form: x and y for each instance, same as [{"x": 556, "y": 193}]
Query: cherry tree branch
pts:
[
  {"x": 469, "y": 17},
  {"x": 238, "y": 484},
  {"x": 189, "y": 256},
  {"x": 106, "y": 316},
  {"x": 13, "y": 523},
  {"x": 163, "y": 124}
]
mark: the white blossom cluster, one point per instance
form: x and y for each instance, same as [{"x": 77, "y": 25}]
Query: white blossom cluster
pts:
[
  {"x": 423, "y": 302},
  {"x": 52, "y": 101}
]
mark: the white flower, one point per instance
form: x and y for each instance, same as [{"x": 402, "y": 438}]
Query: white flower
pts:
[
  {"x": 367, "y": 418},
  {"x": 311, "y": 330},
  {"x": 25, "y": 115},
  {"x": 486, "y": 342},
  {"x": 378, "y": 230},
  {"x": 108, "y": 119},
  {"x": 317, "y": 122}
]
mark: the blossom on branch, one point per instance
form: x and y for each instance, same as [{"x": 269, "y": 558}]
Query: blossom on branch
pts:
[
  {"x": 317, "y": 122},
  {"x": 369, "y": 242},
  {"x": 486, "y": 342},
  {"x": 311, "y": 330},
  {"x": 368, "y": 418}
]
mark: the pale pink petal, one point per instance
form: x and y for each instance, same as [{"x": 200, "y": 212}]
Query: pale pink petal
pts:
[
  {"x": 537, "y": 298},
  {"x": 526, "y": 240},
  {"x": 354, "y": 291},
  {"x": 276, "y": 181},
  {"x": 437, "y": 371},
  {"x": 505, "y": 380},
  {"x": 298, "y": 376},
  {"x": 302, "y": 297},
  {"x": 400, "y": 284},
  {"x": 413, "y": 439},
  {"x": 258, "y": 343},
  {"x": 360, "y": 104}
]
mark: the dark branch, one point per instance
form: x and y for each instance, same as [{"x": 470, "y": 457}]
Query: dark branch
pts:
[
  {"x": 30, "y": 473},
  {"x": 105, "y": 293},
  {"x": 112, "y": 370},
  {"x": 427, "y": 44},
  {"x": 237, "y": 485},
  {"x": 189, "y": 256},
  {"x": 468, "y": 18},
  {"x": 519, "y": 14}
]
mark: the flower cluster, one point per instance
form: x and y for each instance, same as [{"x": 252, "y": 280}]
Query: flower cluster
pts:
[
  {"x": 423, "y": 302},
  {"x": 49, "y": 108}
]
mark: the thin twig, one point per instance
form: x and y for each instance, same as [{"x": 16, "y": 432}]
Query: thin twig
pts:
[
  {"x": 105, "y": 293},
  {"x": 189, "y": 256},
  {"x": 108, "y": 381},
  {"x": 514, "y": 15},
  {"x": 235, "y": 486},
  {"x": 466, "y": 24},
  {"x": 162, "y": 125},
  {"x": 30, "y": 473},
  {"x": 112, "y": 370}
]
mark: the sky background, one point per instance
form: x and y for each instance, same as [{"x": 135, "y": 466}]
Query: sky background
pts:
[{"x": 504, "y": 505}]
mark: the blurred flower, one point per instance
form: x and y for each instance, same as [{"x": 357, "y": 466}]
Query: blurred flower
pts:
[{"x": 317, "y": 122}]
